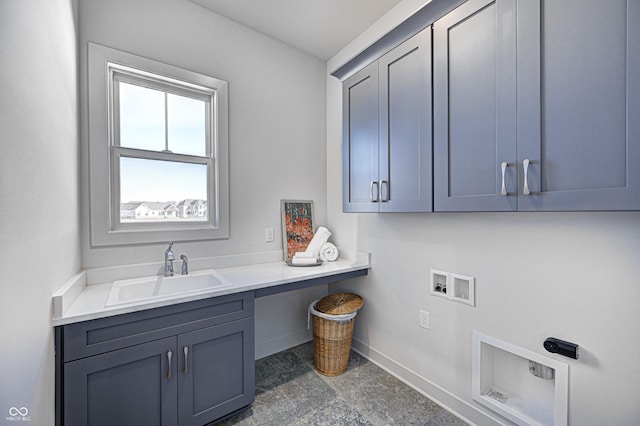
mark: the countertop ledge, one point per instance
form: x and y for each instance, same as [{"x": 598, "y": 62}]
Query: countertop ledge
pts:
[{"x": 84, "y": 297}]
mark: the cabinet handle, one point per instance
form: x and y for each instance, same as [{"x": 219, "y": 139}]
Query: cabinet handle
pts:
[
  {"x": 525, "y": 187},
  {"x": 374, "y": 199},
  {"x": 186, "y": 357},
  {"x": 169, "y": 375},
  {"x": 384, "y": 184},
  {"x": 504, "y": 169}
]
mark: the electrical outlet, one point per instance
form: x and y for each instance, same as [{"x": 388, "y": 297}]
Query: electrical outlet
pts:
[
  {"x": 424, "y": 320},
  {"x": 268, "y": 235}
]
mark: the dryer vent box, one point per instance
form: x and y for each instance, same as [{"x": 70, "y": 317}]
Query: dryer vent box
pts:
[{"x": 523, "y": 386}]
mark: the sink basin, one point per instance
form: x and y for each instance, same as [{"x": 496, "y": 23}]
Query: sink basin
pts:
[{"x": 148, "y": 288}]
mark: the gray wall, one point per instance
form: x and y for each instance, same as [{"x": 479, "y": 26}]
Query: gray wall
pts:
[
  {"x": 39, "y": 218},
  {"x": 569, "y": 275}
]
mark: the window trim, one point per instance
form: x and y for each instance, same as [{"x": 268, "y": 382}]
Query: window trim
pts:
[{"x": 103, "y": 65}]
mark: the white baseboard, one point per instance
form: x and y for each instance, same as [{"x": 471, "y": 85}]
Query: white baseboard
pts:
[
  {"x": 282, "y": 343},
  {"x": 458, "y": 407}
]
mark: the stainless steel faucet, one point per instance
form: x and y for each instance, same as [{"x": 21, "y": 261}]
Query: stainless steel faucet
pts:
[
  {"x": 168, "y": 261},
  {"x": 185, "y": 264}
]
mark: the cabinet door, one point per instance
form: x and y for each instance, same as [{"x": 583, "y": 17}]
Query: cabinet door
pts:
[
  {"x": 405, "y": 146},
  {"x": 216, "y": 371},
  {"x": 475, "y": 108},
  {"x": 360, "y": 141},
  {"x": 579, "y": 103},
  {"x": 132, "y": 386}
]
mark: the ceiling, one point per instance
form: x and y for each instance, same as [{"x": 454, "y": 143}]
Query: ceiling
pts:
[{"x": 318, "y": 27}]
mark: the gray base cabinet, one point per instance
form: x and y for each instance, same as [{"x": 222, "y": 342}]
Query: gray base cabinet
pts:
[
  {"x": 535, "y": 104},
  {"x": 387, "y": 150},
  {"x": 127, "y": 386},
  {"x": 216, "y": 374},
  {"x": 187, "y": 364}
]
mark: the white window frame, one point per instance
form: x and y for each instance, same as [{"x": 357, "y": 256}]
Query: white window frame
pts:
[{"x": 106, "y": 67}]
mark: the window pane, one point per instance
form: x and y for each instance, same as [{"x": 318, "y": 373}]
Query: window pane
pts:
[
  {"x": 187, "y": 125},
  {"x": 155, "y": 190},
  {"x": 141, "y": 117}
]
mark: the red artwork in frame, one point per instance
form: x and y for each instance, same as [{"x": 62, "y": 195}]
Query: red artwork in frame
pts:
[{"x": 297, "y": 226}]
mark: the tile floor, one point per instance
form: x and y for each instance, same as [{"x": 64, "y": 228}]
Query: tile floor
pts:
[{"x": 290, "y": 392}]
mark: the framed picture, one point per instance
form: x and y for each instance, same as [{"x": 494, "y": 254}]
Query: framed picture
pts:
[{"x": 297, "y": 225}]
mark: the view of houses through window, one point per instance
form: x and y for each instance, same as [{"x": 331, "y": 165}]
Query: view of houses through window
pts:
[
  {"x": 181, "y": 187},
  {"x": 147, "y": 211}
]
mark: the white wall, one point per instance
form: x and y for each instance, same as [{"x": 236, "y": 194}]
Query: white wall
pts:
[
  {"x": 277, "y": 129},
  {"x": 569, "y": 275},
  {"x": 39, "y": 218},
  {"x": 276, "y": 114},
  {"x": 277, "y": 137}
]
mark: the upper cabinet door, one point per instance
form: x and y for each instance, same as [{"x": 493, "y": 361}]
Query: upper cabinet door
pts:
[
  {"x": 475, "y": 108},
  {"x": 579, "y": 104},
  {"x": 405, "y": 142},
  {"x": 360, "y": 141}
]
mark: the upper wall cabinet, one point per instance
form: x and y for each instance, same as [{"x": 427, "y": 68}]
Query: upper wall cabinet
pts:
[
  {"x": 552, "y": 128},
  {"x": 475, "y": 108},
  {"x": 360, "y": 140},
  {"x": 387, "y": 147},
  {"x": 579, "y": 104}
]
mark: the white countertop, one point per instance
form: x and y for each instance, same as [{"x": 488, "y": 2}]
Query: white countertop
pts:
[{"x": 79, "y": 301}]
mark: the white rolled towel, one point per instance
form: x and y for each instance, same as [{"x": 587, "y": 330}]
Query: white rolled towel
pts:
[
  {"x": 328, "y": 252},
  {"x": 319, "y": 238},
  {"x": 304, "y": 255},
  {"x": 303, "y": 260}
]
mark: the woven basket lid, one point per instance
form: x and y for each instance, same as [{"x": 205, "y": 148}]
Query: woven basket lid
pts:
[{"x": 340, "y": 303}]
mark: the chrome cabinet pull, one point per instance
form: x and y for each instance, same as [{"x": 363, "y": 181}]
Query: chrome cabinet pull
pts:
[
  {"x": 169, "y": 375},
  {"x": 374, "y": 199},
  {"x": 504, "y": 169},
  {"x": 186, "y": 357},
  {"x": 525, "y": 187},
  {"x": 384, "y": 195}
]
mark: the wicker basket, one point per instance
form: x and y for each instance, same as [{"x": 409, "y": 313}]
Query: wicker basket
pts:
[
  {"x": 332, "y": 335},
  {"x": 332, "y": 344}
]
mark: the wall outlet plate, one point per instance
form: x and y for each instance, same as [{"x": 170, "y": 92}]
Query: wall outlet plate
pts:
[
  {"x": 424, "y": 319},
  {"x": 268, "y": 235}
]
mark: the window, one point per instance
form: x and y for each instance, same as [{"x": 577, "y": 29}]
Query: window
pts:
[
  {"x": 161, "y": 147},
  {"x": 158, "y": 151}
]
